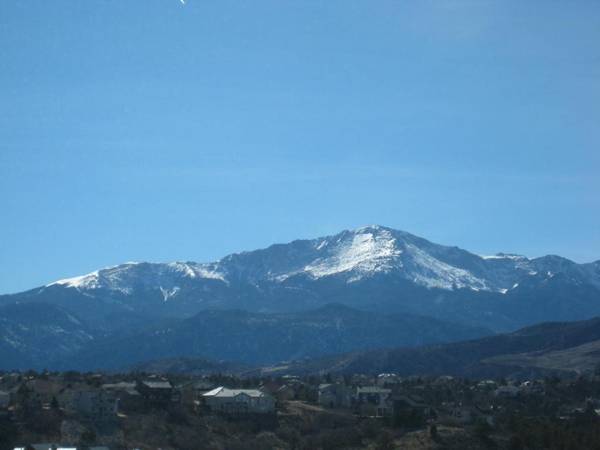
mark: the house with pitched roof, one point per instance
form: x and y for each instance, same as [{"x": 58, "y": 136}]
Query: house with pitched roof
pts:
[
  {"x": 373, "y": 401},
  {"x": 157, "y": 392},
  {"x": 239, "y": 401}
]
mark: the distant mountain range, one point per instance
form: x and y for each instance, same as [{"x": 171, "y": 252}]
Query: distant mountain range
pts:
[
  {"x": 566, "y": 348},
  {"x": 432, "y": 293},
  {"x": 260, "y": 339},
  {"x": 232, "y": 336},
  {"x": 370, "y": 268}
]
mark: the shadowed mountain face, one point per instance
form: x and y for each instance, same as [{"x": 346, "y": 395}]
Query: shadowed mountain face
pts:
[
  {"x": 45, "y": 336},
  {"x": 258, "y": 339},
  {"x": 371, "y": 268},
  {"x": 542, "y": 349},
  {"x": 32, "y": 335}
]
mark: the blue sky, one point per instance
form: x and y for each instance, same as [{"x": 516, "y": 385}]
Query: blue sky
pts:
[{"x": 150, "y": 130}]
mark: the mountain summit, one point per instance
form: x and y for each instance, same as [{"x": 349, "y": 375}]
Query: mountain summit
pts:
[
  {"x": 350, "y": 255},
  {"x": 372, "y": 267}
]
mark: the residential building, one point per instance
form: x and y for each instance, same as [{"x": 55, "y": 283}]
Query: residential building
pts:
[
  {"x": 373, "y": 401},
  {"x": 158, "y": 392},
  {"x": 239, "y": 401},
  {"x": 129, "y": 399},
  {"x": 387, "y": 379},
  {"x": 335, "y": 395},
  {"x": 191, "y": 392}
]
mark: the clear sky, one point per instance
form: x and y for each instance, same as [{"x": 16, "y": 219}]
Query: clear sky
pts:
[{"x": 152, "y": 130}]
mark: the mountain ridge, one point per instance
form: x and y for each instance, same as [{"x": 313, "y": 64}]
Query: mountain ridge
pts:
[
  {"x": 371, "y": 268},
  {"x": 373, "y": 249},
  {"x": 55, "y": 339},
  {"x": 251, "y": 338},
  {"x": 566, "y": 348}
]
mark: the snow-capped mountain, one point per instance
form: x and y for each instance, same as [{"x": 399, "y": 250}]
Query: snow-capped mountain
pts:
[
  {"x": 129, "y": 277},
  {"x": 372, "y": 267},
  {"x": 350, "y": 255}
]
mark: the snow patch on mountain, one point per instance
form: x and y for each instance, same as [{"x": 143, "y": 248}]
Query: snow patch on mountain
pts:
[
  {"x": 512, "y": 256},
  {"x": 433, "y": 273},
  {"x": 193, "y": 270},
  {"x": 168, "y": 293},
  {"x": 183, "y": 268},
  {"x": 88, "y": 281},
  {"x": 372, "y": 250},
  {"x": 204, "y": 271},
  {"x": 365, "y": 253},
  {"x": 125, "y": 278}
]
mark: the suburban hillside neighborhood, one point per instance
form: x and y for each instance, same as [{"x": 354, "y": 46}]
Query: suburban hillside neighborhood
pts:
[{"x": 95, "y": 411}]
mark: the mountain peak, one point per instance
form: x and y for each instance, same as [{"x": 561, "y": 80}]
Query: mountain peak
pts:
[
  {"x": 350, "y": 256},
  {"x": 363, "y": 250},
  {"x": 374, "y": 228},
  {"x": 379, "y": 230}
]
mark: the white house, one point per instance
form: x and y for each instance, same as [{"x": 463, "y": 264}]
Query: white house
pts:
[{"x": 239, "y": 401}]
